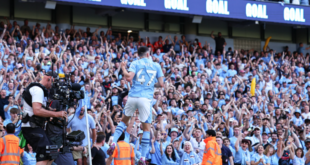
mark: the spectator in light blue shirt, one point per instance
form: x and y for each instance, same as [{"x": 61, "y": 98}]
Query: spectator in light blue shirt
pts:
[
  {"x": 259, "y": 157},
  {"x": 272, "y": 154},
  {"x": 173, "y": 107},
  {"x": 4, "y": 65},
  {"x": 29, "y": 157},
  {"x": 189, "y": 157},
  {"x": 78, "y": 122},
  {"x": 231, "y": 72},
  {"x": 242, "y": 153},
  {"x": 200, "y": 61},
  {"x": 156, "y": 156},
  {"x": 298, "y": 157},
  {"x": 299, "y": 69},
  {"x": 297, "y": 119},
  {"x": 301, "y": 48},
  {"x": 29, "y": 65},
  {"x": 159, "y": 55},
  {"x": 170, "y": 157},
  {"x": 233, "y": 139},
  {"x": 7, "y": 108},
  {"x": 14, "y": 120}
]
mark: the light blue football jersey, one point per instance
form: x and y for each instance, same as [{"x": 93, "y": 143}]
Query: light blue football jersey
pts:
[{"x": 146, "y": 74}]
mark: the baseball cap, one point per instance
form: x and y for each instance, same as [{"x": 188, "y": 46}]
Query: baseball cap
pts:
[
  {"x": 245, "y": 141},
  {"x": 19, "y": 66},
  {"x": 256, "y": 128},
  {"x": 307, "y": 140},
  {"x": 53, "y": 74},
  {"x": 174, "y": 130},
  {"x": 231, "y": 119},
  {"x": 297, "y": 111}
]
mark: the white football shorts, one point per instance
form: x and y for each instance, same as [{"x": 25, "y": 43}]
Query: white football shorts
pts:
[{"x": 144, "y": 107}]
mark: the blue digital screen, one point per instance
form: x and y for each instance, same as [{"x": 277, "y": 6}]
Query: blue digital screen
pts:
[{"x": 235, "y": 9}]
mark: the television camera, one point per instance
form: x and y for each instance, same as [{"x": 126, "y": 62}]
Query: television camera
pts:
[
  {"x": 64, "y": 91},
  {"x": 73, "y": 139},
  {"x": 68, "y": 94}
]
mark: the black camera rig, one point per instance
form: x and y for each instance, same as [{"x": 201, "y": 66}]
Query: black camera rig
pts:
[
  {"x": 68, "y": 94},
  {"x": 73, "y": 139}
]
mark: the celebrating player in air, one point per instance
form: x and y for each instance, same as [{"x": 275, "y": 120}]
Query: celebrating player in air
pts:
[{"x": 145, "y": 75}]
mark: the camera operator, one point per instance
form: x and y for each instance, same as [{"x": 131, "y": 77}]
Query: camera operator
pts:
[{"x": 35, "y": 97}]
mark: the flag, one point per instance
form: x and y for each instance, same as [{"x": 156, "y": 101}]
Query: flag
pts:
[
  {"x": 22, "y": 141},
  {"x": 80, "y": 105},
  {"x": 253, "y": 85}
]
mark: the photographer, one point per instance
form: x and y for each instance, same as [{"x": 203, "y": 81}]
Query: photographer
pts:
[{"x": 35, "y": 97}]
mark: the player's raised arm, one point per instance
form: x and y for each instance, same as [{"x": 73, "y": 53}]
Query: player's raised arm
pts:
[{"x": 127, "y": 75}]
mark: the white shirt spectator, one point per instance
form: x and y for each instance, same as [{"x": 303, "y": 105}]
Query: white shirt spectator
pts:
[
  {"x": 306, "y": 115},
  {"x": 198, "y": 145}
]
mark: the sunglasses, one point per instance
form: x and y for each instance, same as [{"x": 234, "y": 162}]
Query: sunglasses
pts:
[{"x": 164, "y": 134}]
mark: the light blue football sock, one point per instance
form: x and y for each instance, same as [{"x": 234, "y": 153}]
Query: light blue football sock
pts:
[
  {"x": 145, "y": 143},
  {"x": 118, "y": 131}
]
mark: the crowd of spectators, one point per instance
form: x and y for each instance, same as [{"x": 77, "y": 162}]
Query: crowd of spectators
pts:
[
  {"x": 295, "y": 2},
  {"x": 204, "y": 89}
]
